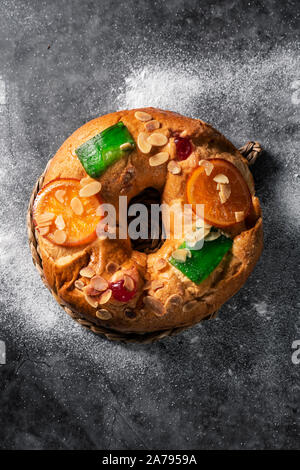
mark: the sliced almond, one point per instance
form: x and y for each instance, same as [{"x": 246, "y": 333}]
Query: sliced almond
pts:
[
  {"x": 189, "y": 306},
  {"x": 76, "y": 206},
  {"x": 44, "y": 230},
  {"x": 112, "y": 267},
  {"x": 126, "y": 146},
  {"x": 211, "y": 236},
  {"x": 90, "y": 189},
  {"x": 157, "y": 139},
  {"x": 239, "y": 216},
  {"x": 222, "y": 179},
  {"x": 79, "y": 284},
  {"x": 87, "y": 179},
  {"x": 87, "y": 272},
  {"x": 91, "y": 300},
  {"x": 105, "y": 297},
  {"x": 224, "y": 192},
  {"x": 90, "y": 291},
  {"x": 160, "y": 264},
  {"x": 152, "y": 125},
  {"x": 46, "y": 217},
  {"x": 60, "y": 194},
  {"x": 159, "y": 159},
  {"x": 181, "y": 255},
  {"x": 183, "y": 133},
  {"x": 208, "y": 166},
  {"x": 155, "y": 305},
  {"x": 173, "y": 301},
  {"x": 103, "y": 314},
  {"x": 59, "y": 236},
  {"x": 128, "y": 283},
  {"x": 157, "y": 284},
  {"x": 142, "y": 116},
  {"x": 59, "y": 222},
  {"x": 45, "y": 224},
  {"x": 174, "y": 168},
  {"x": 99, "y": 283},
  {"x": 142, "y": 142}
]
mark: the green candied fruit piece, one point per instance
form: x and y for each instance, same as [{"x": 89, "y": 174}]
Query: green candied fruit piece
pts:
[
  {"x": 98, "y": 153},
  {"x": 204, "y": 261}
]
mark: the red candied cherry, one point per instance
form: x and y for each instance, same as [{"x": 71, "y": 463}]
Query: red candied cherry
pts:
[
  {"x": 121, "y": 292},
  {"x": 183, "y": 148}
]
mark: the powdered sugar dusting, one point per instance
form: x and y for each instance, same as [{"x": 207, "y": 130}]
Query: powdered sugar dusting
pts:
[{"x": 207, "y": 89}]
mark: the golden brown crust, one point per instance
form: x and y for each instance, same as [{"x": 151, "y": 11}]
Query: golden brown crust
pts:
[{"x": 183, "y": 302}]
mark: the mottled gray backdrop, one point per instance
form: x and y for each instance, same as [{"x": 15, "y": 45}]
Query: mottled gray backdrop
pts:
[{"x": 228, "y": 383}]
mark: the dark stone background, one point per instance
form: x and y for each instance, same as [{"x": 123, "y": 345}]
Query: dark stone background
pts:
[{"x": 227, "y": 383}]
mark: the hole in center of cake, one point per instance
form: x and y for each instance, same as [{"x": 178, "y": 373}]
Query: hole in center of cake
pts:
[{"x": 150, "y": 239}]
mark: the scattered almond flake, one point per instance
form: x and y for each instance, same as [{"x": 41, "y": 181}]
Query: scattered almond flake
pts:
[
  {"x": 117, "y": 276},
  {"x": 91, "y": 300},
  {"x": 46, "y": 217},
  {"x": 90, "y": 189},
  {"x": 211, "y": 236},
  {"x": 201, "y": 223},
  {"x": 159, "y": 159},
  {"x": 59, "y": 222},
  {"x": 103, "y": 314},
  {"x": 173, "y": 301},
  {"x": 99, "y": 283},
  {"x": 239, "y": 216},
  {"x": 195, "y": 237},
  {"x": 224, "y": 192},
  {"x": 105, "y": 297},
  {"x": 126, "y": 146},
  {"x": 222, "y": 179},
  {"x": 189, "y": 306},
  {"x": 160, "y": 264},
  {"x": 152, "y": 125},
  {"x": 76, "y": 206},
  {"x": 44, "y": 230},
  {"x": 174, "y": 168},
  {"x": 207, "y": 165},
  {"x": 60, "y": 194},
  {"x": 87, "y": 272},
  {"x": 181, "y": 254},
  {"x": 79, "y": 284},
  {"x": 86, "y": 180},
  {"x": 157, "y": 284},
  {"x": 59, "y": 236},
  {"x": 45, "y": 224},
  {"x": 142, "y": 116},
  {"x": 155, "y": 305},
  {"x": 128, "y": 283},
  {"x": 112, "y": 267},
  {"x": 89, "y": 290},
  {"x": 143, "y": 143},
  {"x": 157, "y": 139},
  {"x": 183, "y": 133}
]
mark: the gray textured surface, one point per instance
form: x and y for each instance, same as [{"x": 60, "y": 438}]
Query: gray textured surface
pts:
[{"x": 229, "y": 383}]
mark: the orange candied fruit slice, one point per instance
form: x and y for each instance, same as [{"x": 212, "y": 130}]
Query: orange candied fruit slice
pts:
[
  {"x": 63, "y": 216},
  {"x": 202, "y": 189}
]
